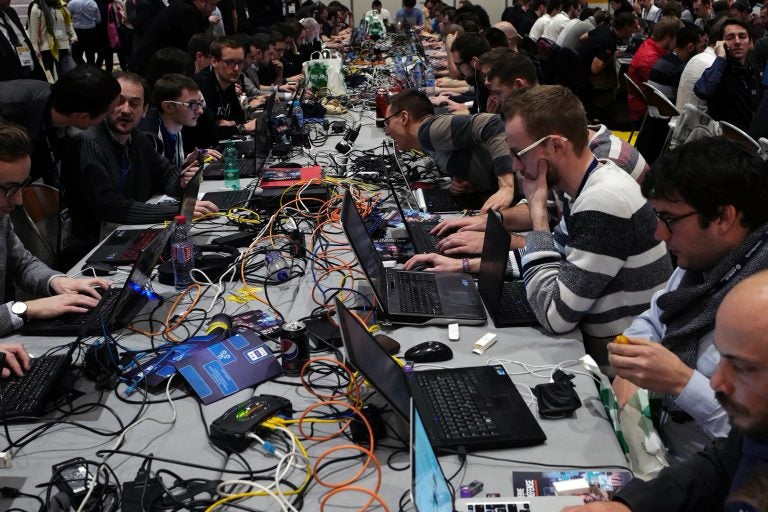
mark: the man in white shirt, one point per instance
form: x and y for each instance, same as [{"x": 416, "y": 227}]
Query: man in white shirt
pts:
[
  {"x": 649, "y": 15},
  {"x": 569, "y": 10},
  {"x": 537, "y": 30},
  {"x": 709, "y": 197},
  {"x": 377, "y": 10},
  {"x": 691, "y": 74}
]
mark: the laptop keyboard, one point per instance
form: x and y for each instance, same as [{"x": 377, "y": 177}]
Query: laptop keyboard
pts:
[
  {"x": 460, "y": 415},
  {"x": 227, "y": 199},
  {"x": 518, "y": 506},
  {"x": 514, "y": 302},
  {"x": 424, "y": 240},
  {"x": 418, "y": 293},
  {"x": 101, "y": 312},
  {"x": 440, "y": 200},
  {"x": 28, "y": 395},
  {"x": 141, "y": 242},
  {"x": 215, "y": 170}
]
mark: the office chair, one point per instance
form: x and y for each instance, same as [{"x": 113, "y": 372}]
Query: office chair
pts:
[{"x": 740, "y": 137}]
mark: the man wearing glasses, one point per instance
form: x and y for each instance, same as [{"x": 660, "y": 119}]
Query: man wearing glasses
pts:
[
  {"x": 177, "y": 102},
  {"x": 61, "y": 294},
  {"x": 710, "y": 197},
  {"x": 223, "y": 117},
  {"x": 120, "y": 170}
]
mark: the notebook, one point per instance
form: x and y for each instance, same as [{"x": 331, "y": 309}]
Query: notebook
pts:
[
  {"x": 117, "y": 307},
  {"x": 431, "y": 491},
  {"x": 408, "y": 297},
  {"x": 476, "y": 408},
  {"x": 123, "y": 246},
  {"x": 506, "y": 301}
]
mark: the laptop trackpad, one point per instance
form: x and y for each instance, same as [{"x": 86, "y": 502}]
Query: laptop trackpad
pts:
[{"x": 460, "y": 298}]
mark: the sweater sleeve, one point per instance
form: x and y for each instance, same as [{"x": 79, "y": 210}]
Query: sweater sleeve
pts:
[
  {"x": 35, "y": 28},
  {"x": 27, "y": 272},
  {"x": 706, "y": 86}
]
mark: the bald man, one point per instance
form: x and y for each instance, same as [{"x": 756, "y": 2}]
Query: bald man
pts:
[{"x": 510, "y": 31}]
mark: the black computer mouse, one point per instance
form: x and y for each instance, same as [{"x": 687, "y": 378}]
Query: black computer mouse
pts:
[
  {"x": 429, "y": 352},
  {"x": 99, "y": 268}
]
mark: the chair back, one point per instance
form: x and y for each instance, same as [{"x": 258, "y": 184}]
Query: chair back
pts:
[
  {"x": 740, "y": 137},
  {"x": 636, "y": 89},
  {"x": 41, "y": 226},
  {"x": 658, "y": 103}
]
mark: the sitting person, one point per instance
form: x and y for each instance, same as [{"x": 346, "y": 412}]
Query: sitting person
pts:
[
  {"x": 119, "y": 170},
  {"x": 709, "y": 196},
  {"x": 462, "y": 145},
  {"x": 601, "y": 265},
  {"x": 61, "y": 294}
]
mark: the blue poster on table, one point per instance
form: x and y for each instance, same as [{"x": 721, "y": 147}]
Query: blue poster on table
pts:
[{"x": 227, "y": 366}]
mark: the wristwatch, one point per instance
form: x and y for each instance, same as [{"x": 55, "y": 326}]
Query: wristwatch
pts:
[
  {"x": 20, "y": 310},
  {"x": 240, "y": 128}
]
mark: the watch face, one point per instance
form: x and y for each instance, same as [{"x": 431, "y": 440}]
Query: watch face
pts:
[{"x": 18, "y": 308}]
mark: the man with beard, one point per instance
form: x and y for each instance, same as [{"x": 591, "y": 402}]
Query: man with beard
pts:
[
  {"x": 120, "y": 170},
  {"x": 709, "y": 196},
  {"x": 601, "y": 265},
  {"x": 465, "y": 53},
  {"x": 740, "y": 382}
]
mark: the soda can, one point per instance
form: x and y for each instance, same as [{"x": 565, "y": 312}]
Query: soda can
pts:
[
  {"x": 382, "y": 101},
  {"x": 294, "y": 344}
]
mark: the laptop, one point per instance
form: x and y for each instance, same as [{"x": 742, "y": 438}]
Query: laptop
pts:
[
  {"x": 249, "y": 168},
  {"x": 123, "y": 246},
  {"x": 474, "y": 408},
  {"x": 408, "y": 297},
  {"x": 506, "y": 301},
  {"x": 431, "y": 491},
  {"x": 117, "y": 307}
]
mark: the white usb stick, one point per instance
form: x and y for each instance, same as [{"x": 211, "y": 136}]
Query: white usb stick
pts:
[
  {"x": 453, "y": 332},
  {"x": 484, "y": 343}
]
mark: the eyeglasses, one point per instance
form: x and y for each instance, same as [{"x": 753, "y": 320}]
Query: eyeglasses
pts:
[
  {"x": 191, "y": 105},
  {"x": 231, "y": 63},
  {"x": 519, "y": 154},
  {"x": 668, "y": 219},
  {"x": 390, "y": 116},
  {"x": 9, "y": 190}
]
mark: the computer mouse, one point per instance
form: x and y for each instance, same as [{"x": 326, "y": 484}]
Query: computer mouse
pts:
[
  {"x": 99, "y": 268},
  {"x": 429, "y": 352}
]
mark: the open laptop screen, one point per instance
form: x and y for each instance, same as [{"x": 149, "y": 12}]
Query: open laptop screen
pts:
[
  {"x": 490, "y": 280},
  {"x": 189, "y": 196},
  {"x": 429, "y": 489}
]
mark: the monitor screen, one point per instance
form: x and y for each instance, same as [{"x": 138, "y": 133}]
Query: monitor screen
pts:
[{"x": 429, "y": 489}]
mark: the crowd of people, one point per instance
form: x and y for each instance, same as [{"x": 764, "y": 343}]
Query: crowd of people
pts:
[{"x": 670, "y": 255}]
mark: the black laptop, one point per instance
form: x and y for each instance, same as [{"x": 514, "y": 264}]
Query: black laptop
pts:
[
  {"x": 475, "y": 408},
  {"x": 506, "y": 301},
  {"x": 117, "y": 307},
  {"x": 123, "y": 246},
  {"x": 408, "y": 297}
]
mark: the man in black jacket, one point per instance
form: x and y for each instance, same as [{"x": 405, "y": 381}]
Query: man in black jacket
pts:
[
  {"x": 17, "y": 57},
  {"x": 173, "y": 27},
  {"x": 723, "y": 476}
]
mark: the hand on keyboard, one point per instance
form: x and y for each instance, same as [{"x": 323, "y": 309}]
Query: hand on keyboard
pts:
[
  {"x": 435, "y": 262},
  {"x": 203, "y": 208},
  {"x": 64, "y": 284},
  {"x": 16, "y": 359},
  {"x": 476, "y": 223},
  {"x": 463, "y": 242},
  {"x": 57, "y": 305}
]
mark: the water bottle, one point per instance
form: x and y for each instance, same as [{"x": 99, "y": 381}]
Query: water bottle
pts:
[
  {"x": 231, "y": 168},
  {"x": 417, "y": 76},
  {"x": 277, "y": 267},
  {"x": 430, "y": 82},
  {"x": 298, "y": 115},
  {"x": 182, "y": 254}
]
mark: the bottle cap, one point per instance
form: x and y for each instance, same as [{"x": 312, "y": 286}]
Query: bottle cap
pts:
[{"x": 180, "y": 219}]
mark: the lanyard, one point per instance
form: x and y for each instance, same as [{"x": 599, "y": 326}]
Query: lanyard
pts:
[
  {"x": 590, "y": 169},
  {"x": 742, "y": 261}
]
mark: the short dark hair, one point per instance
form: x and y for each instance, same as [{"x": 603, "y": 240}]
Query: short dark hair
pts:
[
  {"x": 513, "y": 66},
  {"x": 494, "y": 55},
  {"x": 14, "y": 142},
  {"x": 169, "y": 87},
  {"x": 672, "y": 8},
  {"x": 550, "y": 109},
  {"x": 496, "y": 38},
  {"x": 687, "y": 35},
  {"x": 200, "y": 43},
  {"x": 470, "y": 44},
  {"x": 409, "y": 3},
  {"x": 167, "y": 60},
  {"x": 86, "y": 89},
  {"x": 136, "y": 79},
  {"x": 741, "y": 6},
  {"x": 721, "y": 8},
  {"x": 262, "y": 41},
  {"x": 224, "y": 42},
  {"x": 415, "y": 102},
  {"x": 553, "y": 5},
  {"x": 376, "y": 3},
  {"x": 719, "y": 30},
  {"x": 665, "y": 27},
  {"x": 708, "y": 174},
  {"x": 623, "y": 20}
]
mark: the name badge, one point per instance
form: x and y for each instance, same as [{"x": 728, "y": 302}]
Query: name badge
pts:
[
  {"x": 25, "y": 56},
  {"x": 59, "y": 32}
]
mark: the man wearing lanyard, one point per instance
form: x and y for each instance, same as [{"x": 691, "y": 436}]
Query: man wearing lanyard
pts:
[
  {"x": 17, "y": 58},
  {"x": 709, "y": 196}
]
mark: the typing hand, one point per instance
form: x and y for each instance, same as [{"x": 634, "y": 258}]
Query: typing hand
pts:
[
  {"x": 257, "y": 101},
  {"x": 51, "y": 307},
  {"x": 84, "y": 286},
  {"x": 649, "y": 365},
  {"x": 463, "y": 242},
  {"x": 16, "y": 359},
  {"x": 203, "y": 208},
  {"x": 502, "y": 198},
  {"x": 435, "y": 262},
  {"x": 188, "y": 173},
  {"x": 462, "y": 224}
]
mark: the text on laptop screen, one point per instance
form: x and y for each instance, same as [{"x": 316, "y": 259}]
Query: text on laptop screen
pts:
[{"x": 429, "y": 489}]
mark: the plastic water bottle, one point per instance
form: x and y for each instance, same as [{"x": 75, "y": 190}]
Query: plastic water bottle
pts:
[
  {"x": 298, "y": 114},
  {"x": 182, "y": 254},
  {"x": 429, "y": 84},
  {"x": 277, "y": 267},
  {"x": 231, "y": 168},
  {"x": 417, "y": 76}
]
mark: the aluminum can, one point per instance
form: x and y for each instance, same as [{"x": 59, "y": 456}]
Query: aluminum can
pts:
[{"x": 294, "y": 344}]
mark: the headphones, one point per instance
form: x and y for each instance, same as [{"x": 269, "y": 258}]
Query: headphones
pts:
[{"x": 213, "y": 261}]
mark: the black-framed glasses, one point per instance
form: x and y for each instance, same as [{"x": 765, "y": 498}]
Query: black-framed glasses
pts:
[
  {"x": 390, "y": 116},
  {"x": 191, "y": 105},
  {"x": 9, "y": 190},
  {"x": 231, "y": 63},
  {"x": 669, "y": 220}
]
